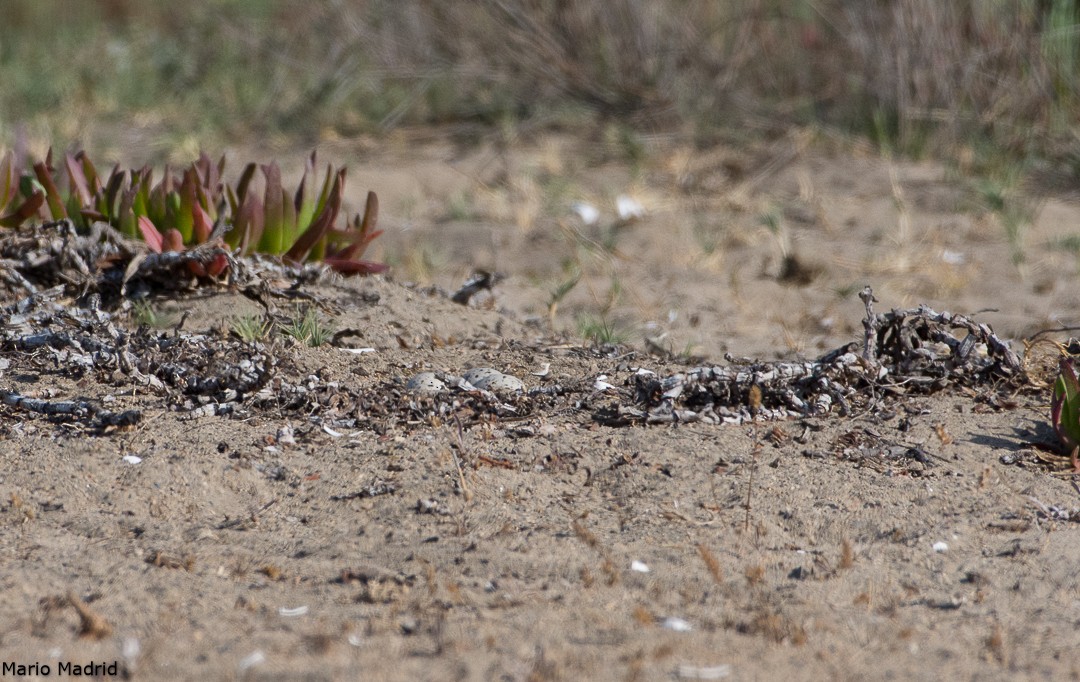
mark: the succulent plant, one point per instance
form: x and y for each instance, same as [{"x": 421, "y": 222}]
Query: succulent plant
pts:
[
  {"x": 182, "y": 210},
  {"x": 1065, "y": 410}
]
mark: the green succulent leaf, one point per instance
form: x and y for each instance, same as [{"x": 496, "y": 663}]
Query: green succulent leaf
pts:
[
  {"x": 272, "y": 240},
  {"x": 8, "y": 182},
  {"x": 184, "y": 221},
  {"x": 1065, "y": 406},
  {"x": 108, "y": 201},
  {"x": 322, "y": 224}
]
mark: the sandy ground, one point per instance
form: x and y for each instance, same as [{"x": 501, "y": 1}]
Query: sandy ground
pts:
[{"x": 548, "y": 545}]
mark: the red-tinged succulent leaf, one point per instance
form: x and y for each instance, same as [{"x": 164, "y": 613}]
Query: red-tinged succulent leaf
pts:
[
  {"x": 8, "y": 182},
  {"x": 322, "y": 223},
  {"x": 272, "y": 240},
  {"x": 79, "y": 188},
  {"x": 52, "y": 194},
  {"x": 141, "y": 184},
  {"x": 211, "y": 268},
  {"x": 1057, "y": 404},
  {"x": 233, "y": 236},
  {"x": 155, "y": 241},
  {"x": 157, "y": 203},
  {"x": 363, "y": 233},
  {"x": 249, "y": 222},
  {"x": 305, "y": 202},
  {"x": 1070, "y": 383},
  {"x": 168, "y": 181},
  {"x": 244, "y": 182},
  {"x": 25, "y": 211},
  {"x": 202, "y": 224},
  {"x": 203, "y": 168},
  {"x": 89, "y": 172},
  {"x": 371, "y": 213},
  {"x": 328, "y": 185},
  {"x": 356, "y": 267},
  {"x": 108, "y": 200},
  {"x": 355, "y": 241},
  {"x": 184, "y": 220},
  {"x": 172, "y": 240},
  {"x": 289, "y": 228},
  {"x": 126, "y": 220},
  {"x": 1065, "y": 406},
  {"x": 217, "y": 265}
]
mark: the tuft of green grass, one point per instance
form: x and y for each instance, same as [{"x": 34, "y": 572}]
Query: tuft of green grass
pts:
[
  {"x": 560, "y": 291},
  {"x": 146, "y": 315},
  {"x": 308, "y": 329},
  {"x": 600, "y": 330},
  {"x": 1002, "y": 197},
  {"x": 251, "y": 328}
]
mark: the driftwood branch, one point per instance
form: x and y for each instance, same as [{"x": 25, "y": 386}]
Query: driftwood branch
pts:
[
  {"x": 912, "y": 350},
  {"x": 76, "y": 409}
]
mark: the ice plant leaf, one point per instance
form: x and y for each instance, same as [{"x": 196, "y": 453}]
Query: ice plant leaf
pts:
[
  {"x": 25, "y": 211},
  {"x": 89, "y": 172},
  {"x": 52, "y": 194},
  {"x": 8, "y": 184},
  {"x": 172, "y": 240},
  {"x": 202, "y": 225},
  {"x": 79, "y": 188},
  {"x": 154, "y": 239},
  {"x": 304, "y": 201},
  {"x": 107, "y": 205},
  {"x": 1065, "y": 406},
  {"x": 355, "y": 267},
  {"x": 322, "y": 223},
  {"x": 272, "y": 236},
  {"x": 185, "y": 217},
  {"x": 365, "y": 232}
]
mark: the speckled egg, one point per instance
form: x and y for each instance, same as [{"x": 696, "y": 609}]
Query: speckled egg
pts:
[{"x": 425, "y": 383}]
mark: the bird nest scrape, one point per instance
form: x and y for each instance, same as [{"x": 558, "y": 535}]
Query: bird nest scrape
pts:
[{"x": 904, "y": 351}]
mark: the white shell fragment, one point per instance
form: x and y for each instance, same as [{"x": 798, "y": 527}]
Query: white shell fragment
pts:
[
  {"x": 629, "y": 208},
  {"x": 425, "y": 382},
  {"x": 488, "y": 379},
  {"x": 712, "y": 672},
  {"x": 676, "y": 624},
  {"x": 639, "y": 566},
  {"x": 601, "y": 384},
  {"x": 587, "y": 212},
  {"x": 332, "y": 433},
  {"x": 253, "y": 659},
  {"x": 296, "y": 612},
  {"x": 941, "y": 547},
  {"x": 132, "y": 459}
]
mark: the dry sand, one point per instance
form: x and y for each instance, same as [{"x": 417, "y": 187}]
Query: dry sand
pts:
[{"x": 551, "y": 546}]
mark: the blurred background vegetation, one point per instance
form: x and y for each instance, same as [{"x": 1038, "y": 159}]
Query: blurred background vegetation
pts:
[{"x": 990, "y": 78}]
